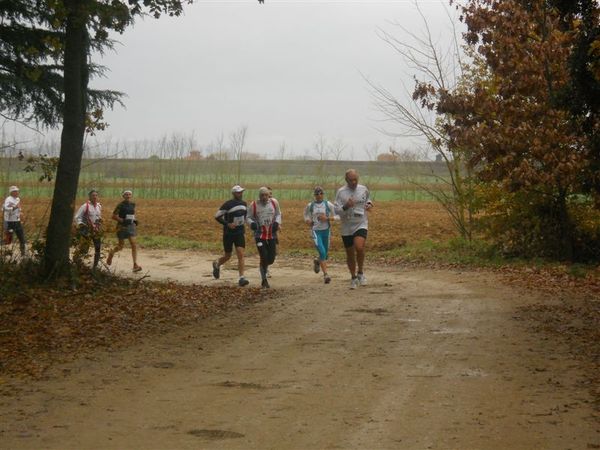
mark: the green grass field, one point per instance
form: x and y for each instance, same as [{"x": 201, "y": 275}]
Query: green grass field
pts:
[{"x": 207, "y": 180}]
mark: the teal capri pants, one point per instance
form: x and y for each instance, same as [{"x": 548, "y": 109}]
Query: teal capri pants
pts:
[{"x": 321, "y": 240}]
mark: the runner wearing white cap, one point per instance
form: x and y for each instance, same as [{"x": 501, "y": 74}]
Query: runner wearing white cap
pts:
[
  {"x": 12, "y": 218},
  {"x": 124, "y": 214},
  {"x": 232, "y": 215}
]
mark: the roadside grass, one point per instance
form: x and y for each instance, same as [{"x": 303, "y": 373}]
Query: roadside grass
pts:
[
  {"x": 452, "y": 251},
  {"x": 478, "y": 254},
  {"x": 175, "y": 243}
]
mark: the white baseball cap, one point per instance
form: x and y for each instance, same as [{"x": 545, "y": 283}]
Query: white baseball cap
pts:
[
  {"x": 237, "y": 188},
  {"x": 13, "y": 189}
]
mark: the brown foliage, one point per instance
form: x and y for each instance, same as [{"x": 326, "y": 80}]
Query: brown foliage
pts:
[
  {"x": 43, "y": 324},
  {"x": 508, "y": 115},
  {"x": 509, "y": 119}
]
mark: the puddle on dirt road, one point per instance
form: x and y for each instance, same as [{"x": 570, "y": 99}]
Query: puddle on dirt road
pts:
[
  {"x": 376, "y": 311},
  {"x": 163, "y": 365},
  {"x": 215, "y": 434},
  {"x": 242, "y": 385},
  {"x": 451, "y": 331}
]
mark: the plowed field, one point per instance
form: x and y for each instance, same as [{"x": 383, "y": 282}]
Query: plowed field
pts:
[{"x": 391, "y": 224}]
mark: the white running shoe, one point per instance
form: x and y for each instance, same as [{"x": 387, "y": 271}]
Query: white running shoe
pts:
[
  {"x": 354, "y": 283},
  {"x": 362, "y": 280}
]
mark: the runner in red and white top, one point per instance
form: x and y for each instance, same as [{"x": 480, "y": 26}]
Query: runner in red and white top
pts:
[
  {"x": 89, "y": 222},
  {"x": 264, "y": 216}
]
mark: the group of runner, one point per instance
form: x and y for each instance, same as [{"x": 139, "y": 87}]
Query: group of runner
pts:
[
  {"x": 352, "y": 202},
  {"x": 88, "y": 221},
  {"x": 89, "y": 227},
  {"x": 263, "y": 216}
]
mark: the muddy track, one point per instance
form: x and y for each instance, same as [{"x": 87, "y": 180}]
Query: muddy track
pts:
[{"x": 417, "y": 359}]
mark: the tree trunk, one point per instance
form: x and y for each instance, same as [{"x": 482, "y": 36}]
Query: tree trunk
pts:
[
  {"x": 76, "y": 76},
  {"x": 565, "y": 228}
]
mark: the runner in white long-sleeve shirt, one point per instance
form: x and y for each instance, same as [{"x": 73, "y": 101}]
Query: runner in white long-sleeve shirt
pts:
[
  {"x": 263, "y": 219},
  {"x": 89, "y": 222},
  {"x": 12, "y": 218},
  {"x": 319, "y": 214},
  {"x": 352, "y": 202}
]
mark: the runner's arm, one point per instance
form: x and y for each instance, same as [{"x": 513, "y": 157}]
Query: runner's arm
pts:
[
  {"x": 10, "y": 204},
  {"x": 220, "y": 215},
  {"x": 79, "y": 216},
  {"x": 339, "y": 203},
  {"x": 275, "y": 226},
  {"x": 250, "y": 218},
  {"x": 368, "y": 202},
  {"x": 307, "y": 215},
  {"x": 115, "y": 215},
  {"x": 277, "y": 211},
  {"x": 335, "y": 216}
]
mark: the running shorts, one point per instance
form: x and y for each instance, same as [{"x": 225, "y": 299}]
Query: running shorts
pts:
[{"x": 349, "y": 240}]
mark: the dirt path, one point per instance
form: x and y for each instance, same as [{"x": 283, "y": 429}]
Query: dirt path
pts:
[{"x": 415, "y": 360}]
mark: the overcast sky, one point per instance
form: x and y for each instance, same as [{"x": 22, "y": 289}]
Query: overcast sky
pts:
[{"x": 288, "y": 70}]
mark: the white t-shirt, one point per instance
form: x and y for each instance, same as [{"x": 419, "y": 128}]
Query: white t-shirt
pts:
[
  {"x": 355, "y": 218},
  {"x": 319, "y": 209},
  {"x": 12, "y": 209}
]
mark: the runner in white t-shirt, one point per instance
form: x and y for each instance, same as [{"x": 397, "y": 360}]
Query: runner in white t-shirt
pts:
[
  {"x": 352, "y": 202},
  {"x": 319, "y": 214}
]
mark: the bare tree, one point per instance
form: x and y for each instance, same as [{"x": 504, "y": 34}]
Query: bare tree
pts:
[
  {"x": 281, "y": 153},
  {"x": 337, "y": 149},
  {"x": 238, "y": 139},
  {"x": 372, "y": 150},
  {"x": 321, "y": 148},
  {"x": 439, "y": 67}
]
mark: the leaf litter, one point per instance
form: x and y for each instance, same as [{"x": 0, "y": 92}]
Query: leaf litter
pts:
[{"x": 43, "y": 325}]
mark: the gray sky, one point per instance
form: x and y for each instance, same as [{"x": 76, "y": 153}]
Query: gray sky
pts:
[{"x": 288, "y": 70}]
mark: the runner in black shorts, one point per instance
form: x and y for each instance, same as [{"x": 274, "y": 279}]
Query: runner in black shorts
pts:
[
  {"x": 263, "y": 217},
  {"x": 232, "y": 215},
  {"x": 352, "y": 203},
  {"x": 349, "y": 240},
  {"x": 124, "y": 215}
]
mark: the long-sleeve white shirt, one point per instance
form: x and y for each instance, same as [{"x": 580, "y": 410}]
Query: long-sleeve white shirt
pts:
[
  {"x": 88, "y": 214},
  {"x": 354, "y": 218},
  {"x": 12, "y": 209}
]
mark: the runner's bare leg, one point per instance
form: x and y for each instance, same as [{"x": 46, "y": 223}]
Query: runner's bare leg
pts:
[{"x": 359, "y": 246}]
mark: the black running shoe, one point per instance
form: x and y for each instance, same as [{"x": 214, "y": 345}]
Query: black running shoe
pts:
[
  {"x": 327, "y": 279},
  {"x": 243, "y": 282},
  {"x": 265, "y": 284},
  {"x": 216, "y": 270},
  {"x": 316, "y": 265}
]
